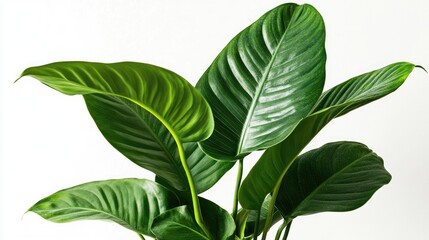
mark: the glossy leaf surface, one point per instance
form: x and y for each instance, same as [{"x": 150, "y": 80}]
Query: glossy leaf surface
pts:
[
  {"x": 143, "y": 139},
  {"x": 336, "y": 177},
  {"x": 356, "y": 92},
  {"x": 132, "y": 203},
  {"x": 166, "y": 95},
  {"x": 178, "y": 223},
  {"x": 265, "y": 81}
]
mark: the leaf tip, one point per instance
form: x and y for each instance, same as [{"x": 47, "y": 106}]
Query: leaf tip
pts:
[
  {"x": 29, "y": 210},
  {"x": 20, "y": 76},
  {"x": 421, "y": 67},
  {"x": 23, "y": 74}
]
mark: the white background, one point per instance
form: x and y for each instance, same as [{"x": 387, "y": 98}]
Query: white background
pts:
[{"x": 49, "y": 142}]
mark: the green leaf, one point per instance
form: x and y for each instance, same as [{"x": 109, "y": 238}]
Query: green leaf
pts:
[
  {"x": 265, "y": 81},
  {"x": 178, "y": 223},
  {"x": 166, "y": 95},
  {"x": 250, "y": 217},
  {"x": 133, "y": 203},
  {"x": 358, "y": 91},
  {"x": 339, "y": 176},
  {"x": 143, "y": 139}
]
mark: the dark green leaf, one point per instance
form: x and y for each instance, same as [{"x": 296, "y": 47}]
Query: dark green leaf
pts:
[
  {"x": 133, "y": 203},
  {"x": 166, "y": 95},
  {"x": 265, "y": 81},
  {"x": 143, "y": 139},
  {"x": 356, "y": 92},
  {"x": 185, "y": 197},
  {"x": 339, "y": 176},
  {"x": 179, "y": 224}
]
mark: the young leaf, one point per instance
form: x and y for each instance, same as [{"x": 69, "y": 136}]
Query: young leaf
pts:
[
  {"x": 339, "y": 176},
  {"x": 178, "y": 223},
  {"x": 250, "y": 217},
  {"x": 133, "y": 203},
  {"x": 358, "y": 91},
  {"x": 166, "y": 95},
  {"x": 265, "y": 81},
  {"x": 143, "y": 139}
]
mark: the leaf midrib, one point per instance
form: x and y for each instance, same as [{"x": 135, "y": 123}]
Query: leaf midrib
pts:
[
  {"x": 364, "y": 95},
  {"x": 90, "y": 210},
  {"x": 260, "y": 87},
  {"x": 189, "y": 228},
  {"x": 172, "y": 159},
  {"x": 314, "y": 192},
  {"x": 94, "y": 90},
  {"x": 97, "y": 91}
]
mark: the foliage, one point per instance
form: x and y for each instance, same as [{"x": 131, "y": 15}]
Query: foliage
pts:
[{"x": 262, "y": 92}]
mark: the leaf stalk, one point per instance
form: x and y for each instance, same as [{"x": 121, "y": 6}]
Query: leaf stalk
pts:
[
  {"x": 280, "y": 230},
  {"x": 195, "y": 201},
  {"x": 271, "y": 208},
  {"x": 237, "y": 188},
  {"x": 256, "y": 230},
  {"x": 287, "y": 230}
]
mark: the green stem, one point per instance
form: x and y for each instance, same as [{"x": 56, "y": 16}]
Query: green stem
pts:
[
  {"x": 273, "y": 201},
  {"x": 141, "y": 236},
  {"x": 287, "y": 230},
  {"x": 195, "y": 201},
  {"x": 256, "y": 230},
  {"x": 237, "y": 188},
  {"x": 271, "y": 208},
  {"x": 242, "y": 230},
  {"x": 280, "y": 230}
]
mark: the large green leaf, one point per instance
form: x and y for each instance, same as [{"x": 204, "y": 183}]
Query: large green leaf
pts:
[
  {"x": 178, "y": 223},
  {"x": 358, "y": 91},
  {"x": 166, "y": 95},
  {"x": 143, "y": 139},
  {"x": 133, "y": 203},
  {"x": 265, "y": 81},
  {"x": 339, "y": 176}
]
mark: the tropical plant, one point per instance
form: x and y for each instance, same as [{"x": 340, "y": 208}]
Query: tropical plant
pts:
[{"x": 262, "y": 92}]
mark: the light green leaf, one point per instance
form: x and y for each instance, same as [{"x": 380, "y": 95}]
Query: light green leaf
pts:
[
  {"x": 143, "y": 139},
  {"x": 166, "y": 95},
  {"x": 358, "y": 91},
  {"x": 178, "y": 223},
  {"x": 265, "y": 81},
  {"x": 338, "y": 177},
  {"x": 132, "y": 203}
]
